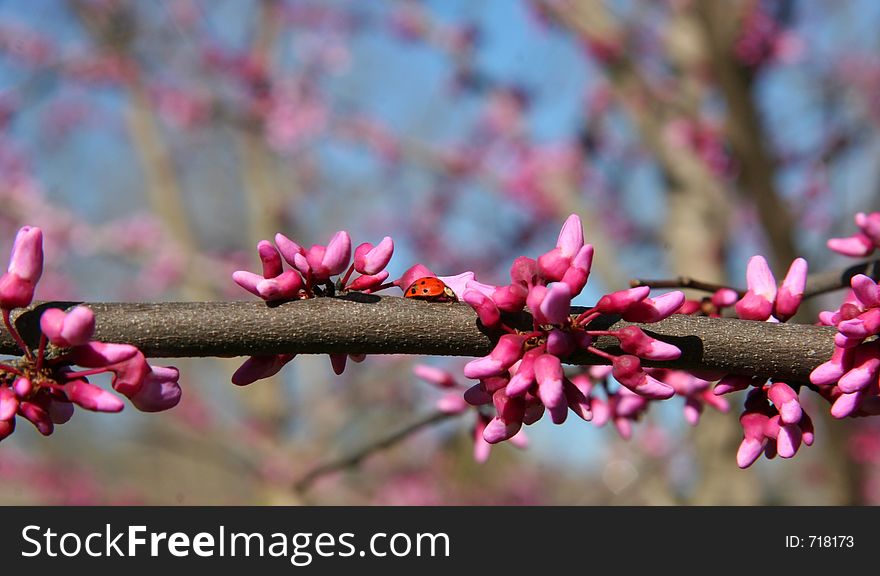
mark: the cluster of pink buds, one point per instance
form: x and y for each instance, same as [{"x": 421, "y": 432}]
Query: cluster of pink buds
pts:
[
  {"x": 763, "y": 298},
  {"x": 849, "y": 380},
  {"x": 622, "y": 407},
  {"x": 773, "y": 423},
  {"x": 42, "y": 387},
  {"x": 311, "y": 275},
  {"x": 863, "y": 242},
  {"x": 453, "y": 402},
  {"x": 523, "y": 374}
]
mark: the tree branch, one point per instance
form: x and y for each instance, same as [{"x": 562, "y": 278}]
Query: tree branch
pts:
[
  {"x": 356, "y": 457},
  {"x": 370, "y": 324}
]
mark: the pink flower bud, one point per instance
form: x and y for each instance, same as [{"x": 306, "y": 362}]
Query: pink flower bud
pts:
[
  {"x": 524, "y": 377},
  {"x": 870, "y": 225},
  {"x": 289, "y": 249},
  {"x": 60, "y": 411},
  {"x": 548, "y": 373},
  {"x": 8, "y": 404},
  {"x": 92, "y": 397},
  {"x": 536, "y": 296},
  {"x": 754, "y": 441},
  {"x": 628, "y": 371},
  {"x": 867, "y": 324},
  {"x": 864, "y": 371},
  {"x": 786, "y": 401},
  {"x": 788, "y": 440},
  {"x": 617, "y": 302},
  {"x": 560, "y": 343},
  {"x": 37, "y": 416},
  {"x": 433, "y": 375},
  {"x": 26, "y": 260},
  {"x": 654, "y": 309},
  {"x": 725, "y": 297},
  {"x": 857, "y": 245},
  {"x": 577, "y": 274},
  {"x": 482, "y": 449},
  {"x": 22, "y": 387},
  {"x": 507, "y": 351},
  {"x": 127, "y": 363},
  {"x": 693, "y": 408},
  {"x": 634, "y": 341},
  {"x": 73, "y": 328},
  {"x": 556, "y": 305},
  {"x": 754, "y": 307},
  {"x": 370, "y": 260},
  {"x": 510, "y": 298},
  {"x": 270, "y": 258},
  {"x": 792, "y": 291},
  {"x": 286, "y": 285},
  {"x": 497, "y": 430},
  {"x": 476, "y": 395},
  {"x": 509, "y": 409},
  {"x": 571, "y": 237},
  {"x": 485, "y": 308},
  {"x": 524, "y": 271},
  {"x": 248, "y": 281},
  {"x": 577, "y": 401},
  {"x": 368, "y": 283},
  {"x": 732, "y": 383},
  {"x": 337, "y": 362},
  {"x": 258, "y": 367},
  {"x": 553, "y": 265},
  {"x": 160, "y": 390},
  {"x": 452, "y": 403},
  {"x": 846, "y": 404},
  {"x": 866, "y": 291}
]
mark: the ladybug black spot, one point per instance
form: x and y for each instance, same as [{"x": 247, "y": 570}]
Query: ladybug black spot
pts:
[
  {"x": 425, "y": 290},
  {"x": 413, "y": 291}
]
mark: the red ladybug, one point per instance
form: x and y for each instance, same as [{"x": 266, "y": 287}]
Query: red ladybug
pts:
[{"x": 431, "y": 289}]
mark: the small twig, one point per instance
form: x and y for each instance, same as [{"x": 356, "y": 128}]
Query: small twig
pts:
[
  {"x": 831, "y": 280},
  {"x": 683, "y": 282},
  {"x": 355, "y": 458}
]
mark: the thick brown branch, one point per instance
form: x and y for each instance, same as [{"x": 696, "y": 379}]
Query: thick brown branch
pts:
[{"x": 369, "y": 324}]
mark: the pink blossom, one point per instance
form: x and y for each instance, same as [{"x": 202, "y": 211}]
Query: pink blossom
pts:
[
  {"x": 73, "y": 328},
  {"x": 369, "y": 259},
  {"x": 763, "y": 299},
  {"x": 634, "y": 341},
  {"x": 507, "y": 351},
  {"x": 628, "y": 371},
  {"x": 863, "y": 242},
  {"x": 17, "y": 285}
]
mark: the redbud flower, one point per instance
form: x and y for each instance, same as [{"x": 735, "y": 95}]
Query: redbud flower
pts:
[
  {"x": 628, "y": 371},
  {"x": 549, "y": 375},
  {"x": 634, "y": 340},
  {"x": 554, "y": 264},
  {"x": 259, "y": 367},
  {"x": 17, "y": 285},
  {"x": 369, "y": 259},
  {"x": 507, "y": 351},
  {"x": 43, "y": 389},
  {"x": 484, "y": 306},
  {"x": 862, "y": 243},
  {"x": 763, "y": 299},
  {"x": 73, "y": 328}
]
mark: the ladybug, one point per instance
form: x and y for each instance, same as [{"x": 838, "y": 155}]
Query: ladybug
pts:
[{"x": 431, "y": 289}]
